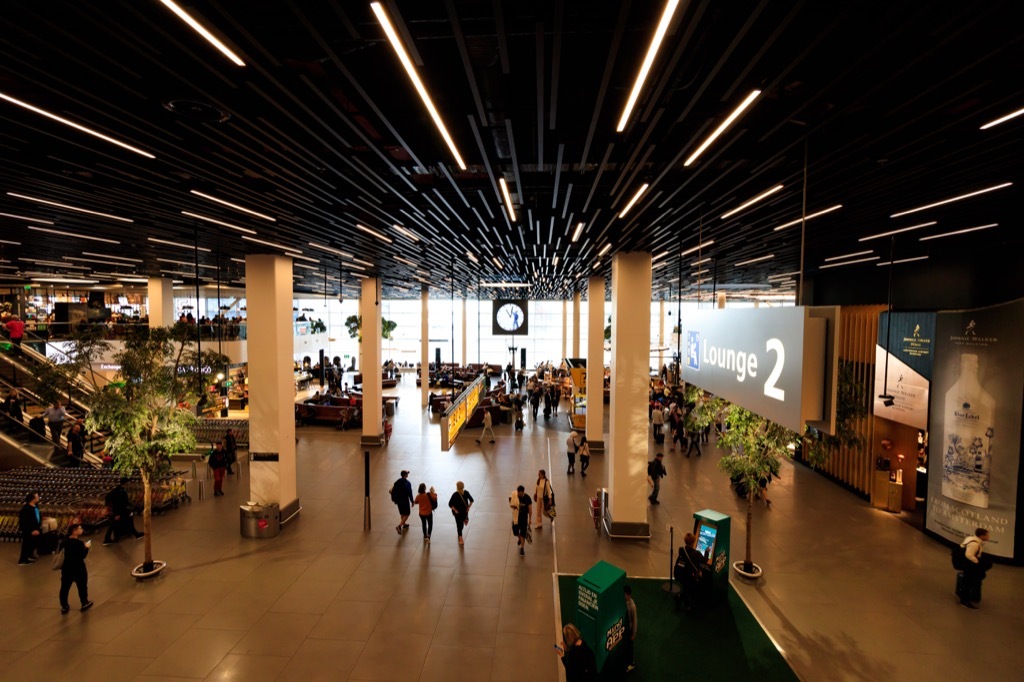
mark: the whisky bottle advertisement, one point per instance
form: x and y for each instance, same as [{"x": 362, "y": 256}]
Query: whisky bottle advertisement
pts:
[{"x": 969, "y": 434}]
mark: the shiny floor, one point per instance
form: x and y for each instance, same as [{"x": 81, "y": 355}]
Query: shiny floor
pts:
[{"x": 850, "y": 593}]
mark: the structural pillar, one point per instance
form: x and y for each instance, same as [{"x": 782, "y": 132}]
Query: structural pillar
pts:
[
  {"x": 271, "y": 351},
  {"x": 565, "y": 327},
  {"x": 424, "y": 347},
  {"x": 631, "y": 356},
  {"x": 373, "y": 410},
  {"x": 161, "y": 302},
  {"x": 576, "y": 324},
  {"x": 595, "y": 363},
  {"x": 465, "y": 357},
  {"x": 661, "y": 335}
]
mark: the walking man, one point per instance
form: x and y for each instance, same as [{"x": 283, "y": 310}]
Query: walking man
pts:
[
  {"x": 572, "y": 444},
  {"x": 401, "y": 495},
  {"x": 73, "y": 570},
  {"x": 231, "y": 449},
  {"x": 55, "y": 416},
  {"x": 631, "y": 626},
  {"x": 521, "y": 515},
  {"x": 656, "y": 471},
  {"x": 488, "y": 425},
  {"x": 30, "y": 523},
  {"x": 976, "y": 567},
  {"x": 121, "y": 521}
]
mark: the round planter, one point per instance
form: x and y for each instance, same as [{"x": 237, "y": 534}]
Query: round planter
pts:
[
  {"x": 754, "y": 575},
  {"x": 140, "y": 574}
]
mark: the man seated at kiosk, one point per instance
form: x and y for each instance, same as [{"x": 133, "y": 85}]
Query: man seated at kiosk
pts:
[{"x": 689, "y": 572}]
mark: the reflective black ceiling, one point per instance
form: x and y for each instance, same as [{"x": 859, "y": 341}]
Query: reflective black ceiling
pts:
[{"x": 880, "y": 103}]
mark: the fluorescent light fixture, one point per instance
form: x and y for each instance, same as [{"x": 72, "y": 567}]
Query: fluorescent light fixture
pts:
[
  {"x": 375, "y": 233},
  {"x": 645, "y": 67},
  {"x": 234, "y": 206},
  {"x": 403, "y": 56},
  {"x": 31, "y": 220},
  {"x": 198, "y": 28},
  {"x": 329, "y": 249},
  {"x": 952, "y": 199},
  {"x": 134, "y": 280},
  {"x": 577, "y": 233},
  {"x": 62, "y": 280},
  {"x": 55, "y": 263},
  {"x": 5, "y": 241},
  {"x": 636, "y": 197},
  {"x": 72, "y": 234},
  {"x": 1004, "y": 119},
  {"x": 847, "y": 255},
  {"x": 508, "y": 199},
  {"x": 755, "y": 260},
  {"x": 901, "y": 260},
  {"x": 70, "y": 208},
  {"x": 700, "y": 262},
  {"x": 471, "y": 257},
  {"x": 218, "y": 222},
  {"x": 784, "y": 275},
  {"x": 892, "y": 232},
  {"x": 307, "y": 267},
  {"x": 605, "y": 249},
  {"x": 263, "y": 242},
  {"x": 497, "y": 262},
  {"x": 813, "y": 215},
  {"x": 96, "y": 261},
  {"x": 104, "y": 255},
  {"x": 698, "y": 273},
  {"x": 404, "y": 260},
  {"x": 76, "y": 126},
  {"x": 702, "y": 245},
  {"x": 180, "y": 245},
  {"x": 505, "y": 285},
  {"x": 554, "y": 262},
  {"x": 660, "y": 255},
  {"x": 407, "y": 233},
  {"x": 759, "y": 197},
  {"x": 185, "y": 263},
  {"x": 848, "y": 262},
  {"x": 963, "y": 231},
  {"x": 364, "y": 262},
  {"x": 722, "y": 128},
  {"x": 597, "y": 264}
]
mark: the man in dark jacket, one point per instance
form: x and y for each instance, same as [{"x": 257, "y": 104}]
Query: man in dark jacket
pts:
[
  {"x": 231, "y": 449},
  {"x": 76, "y": 445},
  {"x": 656, "y": 471},
  {"x": 30, "y": 522},
  {"x": 121, "y": 521},
  {"x": 73, "y": 570},
  {"x": 401, "y": 495}
]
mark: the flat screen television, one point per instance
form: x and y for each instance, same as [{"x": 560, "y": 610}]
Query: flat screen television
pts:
[{"x": 706, "y": 534}]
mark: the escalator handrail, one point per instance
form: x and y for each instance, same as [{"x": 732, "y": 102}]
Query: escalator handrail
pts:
[
  {"x": 5, "y": 419},
  {"x": 71, "y": 401},
  {"x": 41, "y": 357}
]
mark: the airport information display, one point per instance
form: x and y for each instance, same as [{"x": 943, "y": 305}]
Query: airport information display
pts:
[{"x": 459, "y": 413}]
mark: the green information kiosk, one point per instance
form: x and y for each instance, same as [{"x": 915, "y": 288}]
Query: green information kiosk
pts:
[
  {"x": 601, "y": 609},
  {"x": 712, "y": 531}
]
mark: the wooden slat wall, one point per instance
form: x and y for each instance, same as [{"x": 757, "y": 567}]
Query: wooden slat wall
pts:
[{"x": 858, "y": 334}]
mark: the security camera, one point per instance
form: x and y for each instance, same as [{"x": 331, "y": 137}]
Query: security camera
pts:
[{"x": 887, "y": 400}]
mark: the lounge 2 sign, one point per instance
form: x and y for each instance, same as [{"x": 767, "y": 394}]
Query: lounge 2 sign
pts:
[{"x": 770, "y": 361}]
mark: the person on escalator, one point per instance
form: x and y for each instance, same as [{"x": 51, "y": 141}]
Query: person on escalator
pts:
[
  {"x": 76, "y": 445},
  {"x": 55, "y": 416},
  {"x": 16, "y": 330},
  {"x": 12, "y": 408}
]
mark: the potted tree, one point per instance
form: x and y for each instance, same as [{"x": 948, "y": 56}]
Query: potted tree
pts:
[
  {"x": 146, "y": 412},
  {"x": 757, "y": 447}
]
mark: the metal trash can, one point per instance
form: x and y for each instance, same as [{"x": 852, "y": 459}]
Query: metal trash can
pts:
[
  {"x": 259, "y": 520},
  {"x": 389, "y": 408}
]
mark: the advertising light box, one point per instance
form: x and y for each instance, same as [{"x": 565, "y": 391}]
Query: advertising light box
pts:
[{"x": 770, "y": 361}]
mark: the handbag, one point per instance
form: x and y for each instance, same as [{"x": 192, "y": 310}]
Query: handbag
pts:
[
  {"x": 433, "y": 500},
  {"x": 57, "y": 562}
]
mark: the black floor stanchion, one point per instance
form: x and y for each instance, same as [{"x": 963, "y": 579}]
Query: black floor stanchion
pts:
[
  {"x": 671, "y": 586},
  {"x": 366, "y": 490}
]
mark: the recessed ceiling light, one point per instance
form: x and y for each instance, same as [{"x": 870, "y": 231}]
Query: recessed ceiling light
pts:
[
  {"x": 577, "y": 233},
  {"x": 554, "y": 262},
  {"x": 70, "y": 208},
  {"x": 330, "y": 249},
  {"x": 1003, "y": 119},
  {"x": 813, "y": 215},
  {"x": 375, "y": 233},
  {"x": 180, "y": 245},
  {"x": 471, "y": 257},
  {"x": 722, "y": 128},
  {"x": 759, "y": 197},
  {"x": 234, "y": 206},
  {"x": 201, "y": 30},
  {"x": 892, "y": 232},
  {"x": 31, "y": 220},
  {"x": 645, "y": 67},
  {"x": 755, "y": 260},
  {"x": 403, "y": 56},
  {"x": 401, "y": 230},
  {"x": 217, "y": 222},
  {"x": 952, "y": 199},
  {"x": 76, "y": 126},
  {"x": 72, "y": 234},
  {"x": 508, "y": 199},
  {"x": 497, "y": 262},
  {"x": 847, "y": 255},
  {"x": 636, "y": 197},
  {"x": 955, "y": 232},
  {"x": 901, "y": 260},
  {"x": 702, "y": 245},
  {"x": 848, "y": 262}
]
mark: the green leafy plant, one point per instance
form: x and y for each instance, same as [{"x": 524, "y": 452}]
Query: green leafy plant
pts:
[
  {"x": 706, "y": 411},
  {"x": 145, "y": 413},
  {"x": 851, "y": 406},
  {"x": 318, "y": 326},
  {"x": 56, "y": 376},
  {"x": 354, "y": 323},
  {"x": 757, "y": 447},
  {"x": 608, "y": 329}
]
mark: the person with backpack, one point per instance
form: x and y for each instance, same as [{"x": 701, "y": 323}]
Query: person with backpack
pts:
[
  {"x": 572, "y": 444},
  {"x": 401, "y": 495},
  {"x": 459, "y": 503},
  {"x": 969, "y": 558},
  {"x": 544, "y": 496},
  {"x": 519, "y": 501},
  {"x": 427, "y": 503},
  {"x": 121, "y": 521},
  {"x": 655, "y": 472}
]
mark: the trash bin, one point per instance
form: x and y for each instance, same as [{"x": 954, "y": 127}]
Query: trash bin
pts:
[
  {"x": 389, "y": 408},
  {"x": 260, "y": 520}
]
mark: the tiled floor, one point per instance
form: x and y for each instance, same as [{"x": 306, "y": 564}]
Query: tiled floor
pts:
[{"x": 850, "y": 593}]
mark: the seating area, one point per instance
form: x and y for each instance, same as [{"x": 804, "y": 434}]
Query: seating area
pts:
[{"x": 345, "y": 411}]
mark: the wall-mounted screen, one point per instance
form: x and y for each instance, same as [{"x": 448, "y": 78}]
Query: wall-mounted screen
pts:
[{"x": 510, "y": 316}]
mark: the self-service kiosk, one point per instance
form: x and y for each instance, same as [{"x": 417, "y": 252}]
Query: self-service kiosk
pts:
[
  {"x": 712, "y": 531},
  {"x": 601, "y": 609}
]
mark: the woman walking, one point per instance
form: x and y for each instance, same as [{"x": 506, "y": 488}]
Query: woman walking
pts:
[
  {"x": 73, "y": 570},
  {"x": 427, "y": 502},
  {"x": 218, "y": 462},
  {"x": 584, "y": 454},
  {"x": 459, "y": 503},
  {"x": 543, "y": 496}
]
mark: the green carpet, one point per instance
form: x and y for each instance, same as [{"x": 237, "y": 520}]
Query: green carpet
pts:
[{"x": 722, "y": 642}]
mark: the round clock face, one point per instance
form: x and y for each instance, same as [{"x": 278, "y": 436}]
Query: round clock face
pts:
[{"x": 510, "y": 317}]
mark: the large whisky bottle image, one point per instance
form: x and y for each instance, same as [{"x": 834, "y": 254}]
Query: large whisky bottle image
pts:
[{"x": 968, "y": 432}]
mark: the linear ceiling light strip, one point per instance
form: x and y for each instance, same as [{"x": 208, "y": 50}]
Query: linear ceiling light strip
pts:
[
  {"x": 645, "y": 67},
  {"x": 952, "y": 199},
  {"x": 813, "y": 215},
  {"x": 723, "y": 127},
  {"x": 759, "y": 197},
  {"x": 234, "y": 206},
  {"x": 70, "y": 208},
  {"x": 201, "y": 30},
  {"x": 72, "y": 234},
  {"x": 956, "y": 232}
]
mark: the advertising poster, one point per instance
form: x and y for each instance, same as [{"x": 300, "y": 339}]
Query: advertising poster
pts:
[
  {"x": 976, "y": 401},
  {"x": 910, "y": 339}
]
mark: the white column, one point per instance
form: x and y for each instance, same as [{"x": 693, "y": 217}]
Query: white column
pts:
[
  {"x": 565, "y": 329},
  {"x": 595, "y": 363},
  {"x": 465, "y": 358},
  {"x": 631, "y": 352},
  {"x": 268, "y": 293},
  {"x": 661, "y": 335},
  {"x": 373, "y": 412},
  {"x": 424, "y": 347},
  {"x": 160, "y": 294},
  {"x": 576, "y": 324}
]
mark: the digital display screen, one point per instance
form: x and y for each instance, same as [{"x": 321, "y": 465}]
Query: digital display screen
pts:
[{"x": 706, "y": 539}]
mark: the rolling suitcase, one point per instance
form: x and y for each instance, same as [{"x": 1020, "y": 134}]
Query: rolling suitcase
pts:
[
  {"x": 659, "y": 438},
  {"x": 976, "y": 597},
  {"x": 519, "y": 424},
  {"x": 38, "y": 426}
]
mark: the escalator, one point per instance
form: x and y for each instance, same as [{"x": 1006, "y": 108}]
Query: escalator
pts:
[{"x": 20, "y": 446}]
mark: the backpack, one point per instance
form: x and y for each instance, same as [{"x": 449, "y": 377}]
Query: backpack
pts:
[
  {"x": 433, "y": 500},
  {"x": 395, "y": 493},
  {"x": 960, "y": 561}
]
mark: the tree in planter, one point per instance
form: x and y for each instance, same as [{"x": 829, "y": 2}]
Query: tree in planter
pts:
[
  {"x": 355, "y": 327},
  {"x": 55, "y": 378},
  {"x": 707, "y": 410},
  {"x": 146, "y": 412},
  {"x": 757, "y": 447},
  {"x": 851, "y": 406}
]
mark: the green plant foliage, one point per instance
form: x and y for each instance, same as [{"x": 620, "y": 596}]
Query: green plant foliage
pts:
[
  {"x": 145, "y": 413},
  {"x": 707, "y": 410},
  {"x": 54, "y": 378},
  {"x": 851, "y": 406},
  {"x": 354, "y": 323},
  {"x": 318, "y": 326}
]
